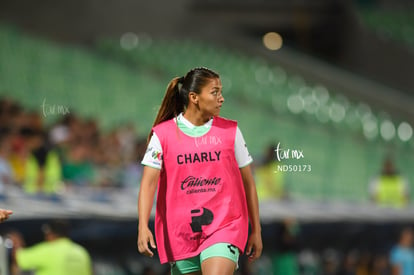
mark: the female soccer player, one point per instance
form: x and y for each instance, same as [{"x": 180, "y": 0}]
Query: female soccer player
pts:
[{"x": 206, "y": 191}]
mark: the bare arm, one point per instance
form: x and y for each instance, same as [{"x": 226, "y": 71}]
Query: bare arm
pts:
[
  {"x": 149, "y": 183},
  {"x": 254, "y": 245}
]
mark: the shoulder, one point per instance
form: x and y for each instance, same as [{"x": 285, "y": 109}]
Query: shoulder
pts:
[
  {"x": 78, "y": 248},
  {"x": 163, "y": 125},
  {"x": 225, "y": 121},
  {"x": 34, "y": 251}
]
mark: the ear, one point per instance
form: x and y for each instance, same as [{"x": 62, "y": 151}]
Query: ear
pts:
[{"x": 193, "y": 97}]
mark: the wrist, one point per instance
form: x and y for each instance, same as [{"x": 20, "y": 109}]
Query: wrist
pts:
[
  {"x": 142, "y": 226},
  {"x": 256, "y": 230}
]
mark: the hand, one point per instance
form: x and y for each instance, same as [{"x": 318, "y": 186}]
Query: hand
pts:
[
  {"x": 254, "y": 246},
  {"x": 144, "y": 237},
  {"x": 4, "y": 214}
]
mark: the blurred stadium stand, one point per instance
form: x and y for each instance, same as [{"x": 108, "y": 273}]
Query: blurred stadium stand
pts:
[{"x": 338, "y": 137}]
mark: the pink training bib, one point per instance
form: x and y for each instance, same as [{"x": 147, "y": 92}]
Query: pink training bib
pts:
[{"x": 201, "y": 199}]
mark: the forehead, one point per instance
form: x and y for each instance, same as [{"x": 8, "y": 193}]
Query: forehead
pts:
[{"x": 213, "y": 83}]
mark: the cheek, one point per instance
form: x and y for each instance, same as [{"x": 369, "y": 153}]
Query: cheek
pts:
[
  {"x": 212, "y": 103},
  {"x": 208, "y": 102}
]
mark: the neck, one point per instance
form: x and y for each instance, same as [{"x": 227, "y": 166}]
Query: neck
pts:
[
  {"x": 196, "y": 118},
  {"x": 52, "y": 237}
]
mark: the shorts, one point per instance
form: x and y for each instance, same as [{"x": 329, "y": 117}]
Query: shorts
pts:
[{"x": 193, "y": 264}]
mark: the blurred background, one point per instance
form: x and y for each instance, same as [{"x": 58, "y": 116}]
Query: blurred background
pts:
[{"x": 81, "y": 82}]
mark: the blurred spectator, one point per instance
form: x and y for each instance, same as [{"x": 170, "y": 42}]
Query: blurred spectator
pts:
[
  {"x": 309, "y": 262},
  {"x": 90, "y": 131},
  {"x": 56, "y": 255},
  {"x": 390, "y": 189},
  {"x": 107, "y": 161},
  {"x": 285, "y": 261},
  {"x": 112, "y": 146},
  {"x": 59, "y": 133},
  {"x": 4, "y": 214},
  {"x": 18, "y": 156},
  {"x": 380, "y": 265},
  {"x": 133, "y": 169},
  {"x": 43, "y": 171},
  {"x": 402, "y": 254},
  {"x": 77, "y": 168},
  {"x": 364, "y": 265},
  {"x": 349, "y": 264},
  {"x": 6, "y": 175},
  {"x": 34, "y": 121},
  {"x": 76, "y": 140},
  {"x": 330, "y": 261},
  {"x": 269, "y": 181},
  {"x": 16, "y": 121},
  {"x": 127, "y": 136},
  {"x": 73, "y": 150}
]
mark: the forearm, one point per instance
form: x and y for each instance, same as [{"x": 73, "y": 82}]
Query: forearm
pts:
[
  {"x": 251, "y": 198},
  {"x": 146, "y": 195},
  {"x": 145, "y": 202},
  {"x": 253, "y": 207}
]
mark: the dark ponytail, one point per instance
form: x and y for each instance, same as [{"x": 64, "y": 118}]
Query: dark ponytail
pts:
[
  {"x": 176, "y": 98},
  {"x": 171, "y": 104}
]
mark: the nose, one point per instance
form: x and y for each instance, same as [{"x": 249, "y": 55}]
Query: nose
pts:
[{"x": 221, "y": 98}]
